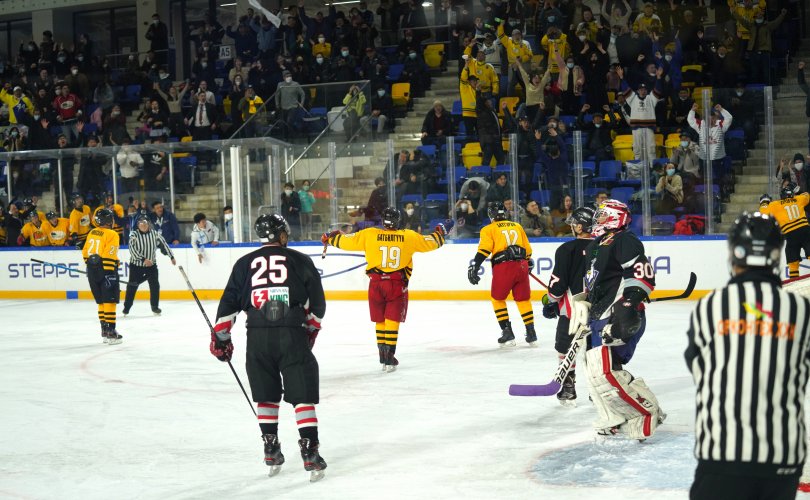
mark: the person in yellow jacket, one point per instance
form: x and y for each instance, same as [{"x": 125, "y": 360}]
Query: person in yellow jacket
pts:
[
  {"x": 17, "y": 103},
  {"x": 488, "y": 81},
  {"x": 56, "y": 228},
  {"x": 517, "y": 49},
  {"x": 33, "y": 233},
  {"x": 555, "y": 43},
  {"x": 117, "y": 210},
  {"x": 467, "y": 88},
  {"x": 744, "y": 12},
  {"x": 322, "y": 47},
  {"x": 647, "y": 21},
  {"x": 355, "y": 102}
]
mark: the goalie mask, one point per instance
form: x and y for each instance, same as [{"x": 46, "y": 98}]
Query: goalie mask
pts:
[
  {"x": 755, "y": 241},
  {"x": 269, "y": 228},
  {"x": 611, "y": 215}
]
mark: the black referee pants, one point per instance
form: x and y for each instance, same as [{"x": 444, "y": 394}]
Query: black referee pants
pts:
[
  {"x": 137, "y": 275},
  {"x": 717, "y": 486}
]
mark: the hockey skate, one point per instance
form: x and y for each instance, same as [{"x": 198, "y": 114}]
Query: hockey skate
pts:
[
  {"x": 104, "y": 337},
  {"x": 531, "y": 336},
  {"x": 113, "y": 337},
  {"x": 313, "y": 462},
  {"x": 507, "y": 337},
  {"x": 156, "y": 311},
  {"x": 272, "y": 454},
  {"x": 383, "y": 354},
  {"x": 568, "y": 393}
]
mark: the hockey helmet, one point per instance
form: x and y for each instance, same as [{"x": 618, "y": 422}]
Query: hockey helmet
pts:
[
  {"x": 611, "y": 215},
  {"x": 497, "y": 211},
  {"x": 755, "y": 241},
  {"x": 270, "y": 226},
  {"x": 390, "y": 218},
  {"x": 582, "y": 215},
  {"x": 51, "y": 215},
  {"x": 104, "y": 196},
  {"x": 77, "y": 197},
  {"x": 104, "y": 217},
  {"x": 32, "y": 215},
  {"x": 790, "y": 190}
]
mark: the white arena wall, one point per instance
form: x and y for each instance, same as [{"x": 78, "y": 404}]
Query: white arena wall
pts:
[{"x": 439, "y": 275}]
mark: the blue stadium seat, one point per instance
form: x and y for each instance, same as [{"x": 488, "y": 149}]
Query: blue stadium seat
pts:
[
  {"x": 609, "y": 172},
  {"x": 395, "y": 72}
]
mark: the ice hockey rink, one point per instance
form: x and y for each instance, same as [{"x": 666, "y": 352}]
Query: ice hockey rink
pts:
[{"x": 159, "y": 417}]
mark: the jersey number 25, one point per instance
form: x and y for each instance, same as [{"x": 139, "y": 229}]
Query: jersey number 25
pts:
[{"x": 273, "y": 267}]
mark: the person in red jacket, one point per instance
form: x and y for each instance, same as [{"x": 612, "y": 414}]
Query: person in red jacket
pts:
[{"x": 68, "y": 108}]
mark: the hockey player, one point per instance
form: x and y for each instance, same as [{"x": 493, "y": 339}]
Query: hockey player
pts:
[
  {"x": 56, "y": 228},
  {"x": 389, "y": 256},
  {"x": 567, "y": 281},
  {"x": 510, "y": 253},
  {"x": 790, "y": 213},
  {"x": 748, "y": 353},
  {"x": 100, "y": 253},
  {"x": 116, "y": 209},
  {"x": 33, "y": 233},
  {"x": 79, "y": 221},
  {"x": 618, "y": 280},
  {"x": 281, "y": 292}
]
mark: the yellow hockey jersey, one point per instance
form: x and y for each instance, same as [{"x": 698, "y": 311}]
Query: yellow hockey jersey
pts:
[
  {"x": 36, "y": 236},
  {"x": 58, "y": 234},
  {"x": 789, "y": 213},
  {"x": 80, "y": 223},
  {"x": 498, "y": 235},
  {"x": 104, "y": 242},
  {"x": 388, "y": 251},
  {"x": 118, "y": 210}
]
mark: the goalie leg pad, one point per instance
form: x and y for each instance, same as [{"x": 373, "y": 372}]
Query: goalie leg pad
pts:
[{"x": 620, "y": 399}]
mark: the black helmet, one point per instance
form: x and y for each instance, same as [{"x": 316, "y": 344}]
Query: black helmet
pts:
[
  {"x": 497, "y": 211},
  {"x": 76, "y": 196},
  {"x": 790, "y": 190},
  {"x": 51, "y": 215},
  {"x": 105, "y": 195},
  {"x": 755, "y": 241},
  {"x": 390, "y": 218},
  {"x": 104, "y": 217},
  {"x": 582, "y": 215},
  {"x": 32, "y": 215},
  {"x": 270, "y": 227},
  {"x": 765, "y": 199}
]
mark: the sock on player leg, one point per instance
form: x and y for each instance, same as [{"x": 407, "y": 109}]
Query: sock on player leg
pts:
[
  {"x": 268, "y": 417},
  {"x": 307, "y": 421},
  {"x": 109, "y": 314},
  {"x": 391, "y": 334},
  {"x": 793, "y": 269},
  {"x": 526, "y": 313},
  {"x": 501, "y": 313},
  {"x": 380, "y": 329}
]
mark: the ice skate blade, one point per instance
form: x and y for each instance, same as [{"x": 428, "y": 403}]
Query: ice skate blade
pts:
[
  {"x": 115, "y": 341},
  {"x": 508, "y": 343},
  {"x": 274, "y": 469},
  {"x": 567, "y": 403},
  {"x": 390, "y": 368},
  {"x": 532, "y": 344},
  {"x": 316, "y": 476},
  {"x": 155, "y": 314},
  {"x": 106, "y": 340}
]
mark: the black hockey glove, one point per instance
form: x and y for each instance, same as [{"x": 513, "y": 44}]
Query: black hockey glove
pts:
[
  {"x": 472, "y": 273},
  {"x": 221, "y": 346},
  {"x": 530, "y": 261},
  {"x": 626, "y": 316},
  {"x": 550, "y": 309}
]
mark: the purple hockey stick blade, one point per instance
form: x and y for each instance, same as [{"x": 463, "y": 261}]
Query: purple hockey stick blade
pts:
[{"x": 550, "y": 389}]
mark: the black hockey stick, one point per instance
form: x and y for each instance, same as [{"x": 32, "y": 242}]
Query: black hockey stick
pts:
[
  {"x": 60, "y": 266},
  {"x": 690, "y": 287},
  {"x": 211, "y": 327}
]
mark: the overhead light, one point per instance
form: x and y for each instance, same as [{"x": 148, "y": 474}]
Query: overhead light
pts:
[
  {"x": 345, "y": 3},
  {"x": 228, "y": 4},
  {"x": 427, "y": 4}
]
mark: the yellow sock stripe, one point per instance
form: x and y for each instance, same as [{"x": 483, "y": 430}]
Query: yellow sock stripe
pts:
[{"x": 391, "y": 338}]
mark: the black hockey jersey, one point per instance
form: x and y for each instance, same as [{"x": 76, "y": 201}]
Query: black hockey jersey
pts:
[
  {"x": 568, "y": 273},
  {"x": 272, "y": 273},
  {"x": 615, "y": 261}
]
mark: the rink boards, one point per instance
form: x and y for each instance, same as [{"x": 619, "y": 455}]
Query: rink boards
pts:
[{"x": 439, "y": 275}]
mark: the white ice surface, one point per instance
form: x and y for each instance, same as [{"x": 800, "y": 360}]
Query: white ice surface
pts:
[{"x": 158, "y": 417}]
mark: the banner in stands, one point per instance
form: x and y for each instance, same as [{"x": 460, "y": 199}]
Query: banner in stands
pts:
[{"x": 439, "y": 275}]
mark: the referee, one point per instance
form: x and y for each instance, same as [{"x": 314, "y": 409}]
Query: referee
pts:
[
  {"x": 748, "y": 353},
  {"x": 143, "y": 245}
]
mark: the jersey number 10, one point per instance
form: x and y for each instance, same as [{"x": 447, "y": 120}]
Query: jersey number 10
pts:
[
  {"x": 792, "y": 211},
  {"x": 273, "y": 266}
]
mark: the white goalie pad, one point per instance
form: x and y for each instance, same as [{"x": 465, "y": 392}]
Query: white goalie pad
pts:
[
  {"x": 621, "y": 400},
  {"x": 580, "y": 309}
]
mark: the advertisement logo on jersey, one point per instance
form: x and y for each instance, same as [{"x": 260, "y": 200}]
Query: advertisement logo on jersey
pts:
[
  {"x": 590, "y": 278},
  {"x": 260, "y": 296},
  {"x": 757, "y": 311}
]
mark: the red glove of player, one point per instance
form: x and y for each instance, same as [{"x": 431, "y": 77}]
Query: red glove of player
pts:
[
  {"x": 221, "y": 346},
  {"x": 313, "y": 326},
  {"x": 444, "y": 227},
  {"x": 325, "y": 236}
]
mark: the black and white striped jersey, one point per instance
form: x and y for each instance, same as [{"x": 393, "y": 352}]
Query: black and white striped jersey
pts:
[
  {"x": 748, "y": 353},
  {"x": 144, "y": 246}
]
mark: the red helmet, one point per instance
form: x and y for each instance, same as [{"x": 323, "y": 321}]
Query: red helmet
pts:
[{"x": 611, "y": 215}]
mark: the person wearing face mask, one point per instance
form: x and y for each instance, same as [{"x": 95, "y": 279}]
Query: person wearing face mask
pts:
[
  {"x": 407, "y": 45},
  {"x": 416, "y": 72},
  {"x": 792, "y": 172},
  {"x": 343, "y": 65},
  {"x": 322, "y": 46},
  {"x": 319, "y": 26},
  {"x": 158, "y": 35},
  {"x": 712, "y": 139},
  {"x": 549, "y": 16},
  {"x": 685, "y": 157},
  {"x": 307, "y": 200},
  {"x": 173, "y": 99},
  {"x": 517, "y": 49},
  {"x": 571, "y": 81},
  {"x": 227, "y": 227},
  {"x": 321, "y": 72},
  {"x": 468, "y": 221},
  {"x": 556, "y": 47},
  {"x": 290, "y": 100},
  {"x": 78, "y": 82},
  {"x": 670, "y": 189},
  {"x": 411, "y": 218},
  {"x": 18, "y": 104},
  {"x": 382, "y": 110},
  {"x": 291, "y": 210},
  {"x": 760, "y": 44},
  {"x": 238, "y": 70},
  {"x": 599, "y": 143}
]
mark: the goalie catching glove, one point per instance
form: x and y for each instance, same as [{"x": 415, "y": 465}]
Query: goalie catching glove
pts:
[{"x": 625, "y": 320}]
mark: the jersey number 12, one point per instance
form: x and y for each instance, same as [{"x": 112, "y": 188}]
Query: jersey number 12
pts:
[{"x": 511, "y": 237}]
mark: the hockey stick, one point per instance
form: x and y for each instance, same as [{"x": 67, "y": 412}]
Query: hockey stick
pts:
[
  {"x": 555, "y": 385},
  {"x": 211, "y": 327},
  {"x": 690, "y": 287},
  {"x": 535, "y": 278},
  {"x": 60, "y": 266}
]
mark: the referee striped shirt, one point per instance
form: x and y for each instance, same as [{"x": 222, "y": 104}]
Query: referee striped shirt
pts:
[
  {"x": 748, "y": 353},
  {"x": 143, "y": 246}
]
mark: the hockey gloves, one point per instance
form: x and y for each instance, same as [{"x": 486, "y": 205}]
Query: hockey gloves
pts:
[
  {"x": 472, "y": 274},
  {"x": 313, "y": 327},
  {"x": 530, "y": 262},
  {"x": 550, "y": 309},
  {"x": 325, "y": 237},
  {"x": 626, "y": 316},
  {"x": 444, "y": 227},
  {"x": 221, "y": 346}
]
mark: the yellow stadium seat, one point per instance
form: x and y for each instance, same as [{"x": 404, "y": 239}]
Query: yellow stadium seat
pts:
[
  {"x": 623, "y": 139},
  {"x": 673, "y": 135},
  {"x": 401, "y": 94},
  {"x": 511, "y": 101},
  {"x": 623, "y": 148},
  {"x": 226, "y": 104},
  {"x": 687, "y": 82},
  {"x": 471, "y": 154},
  {"x": 187, "y": 138},
  {"x": 671, "y": 144},
  {"x": 313, "y": 92},
  {"x": 433, "y": 55}
]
